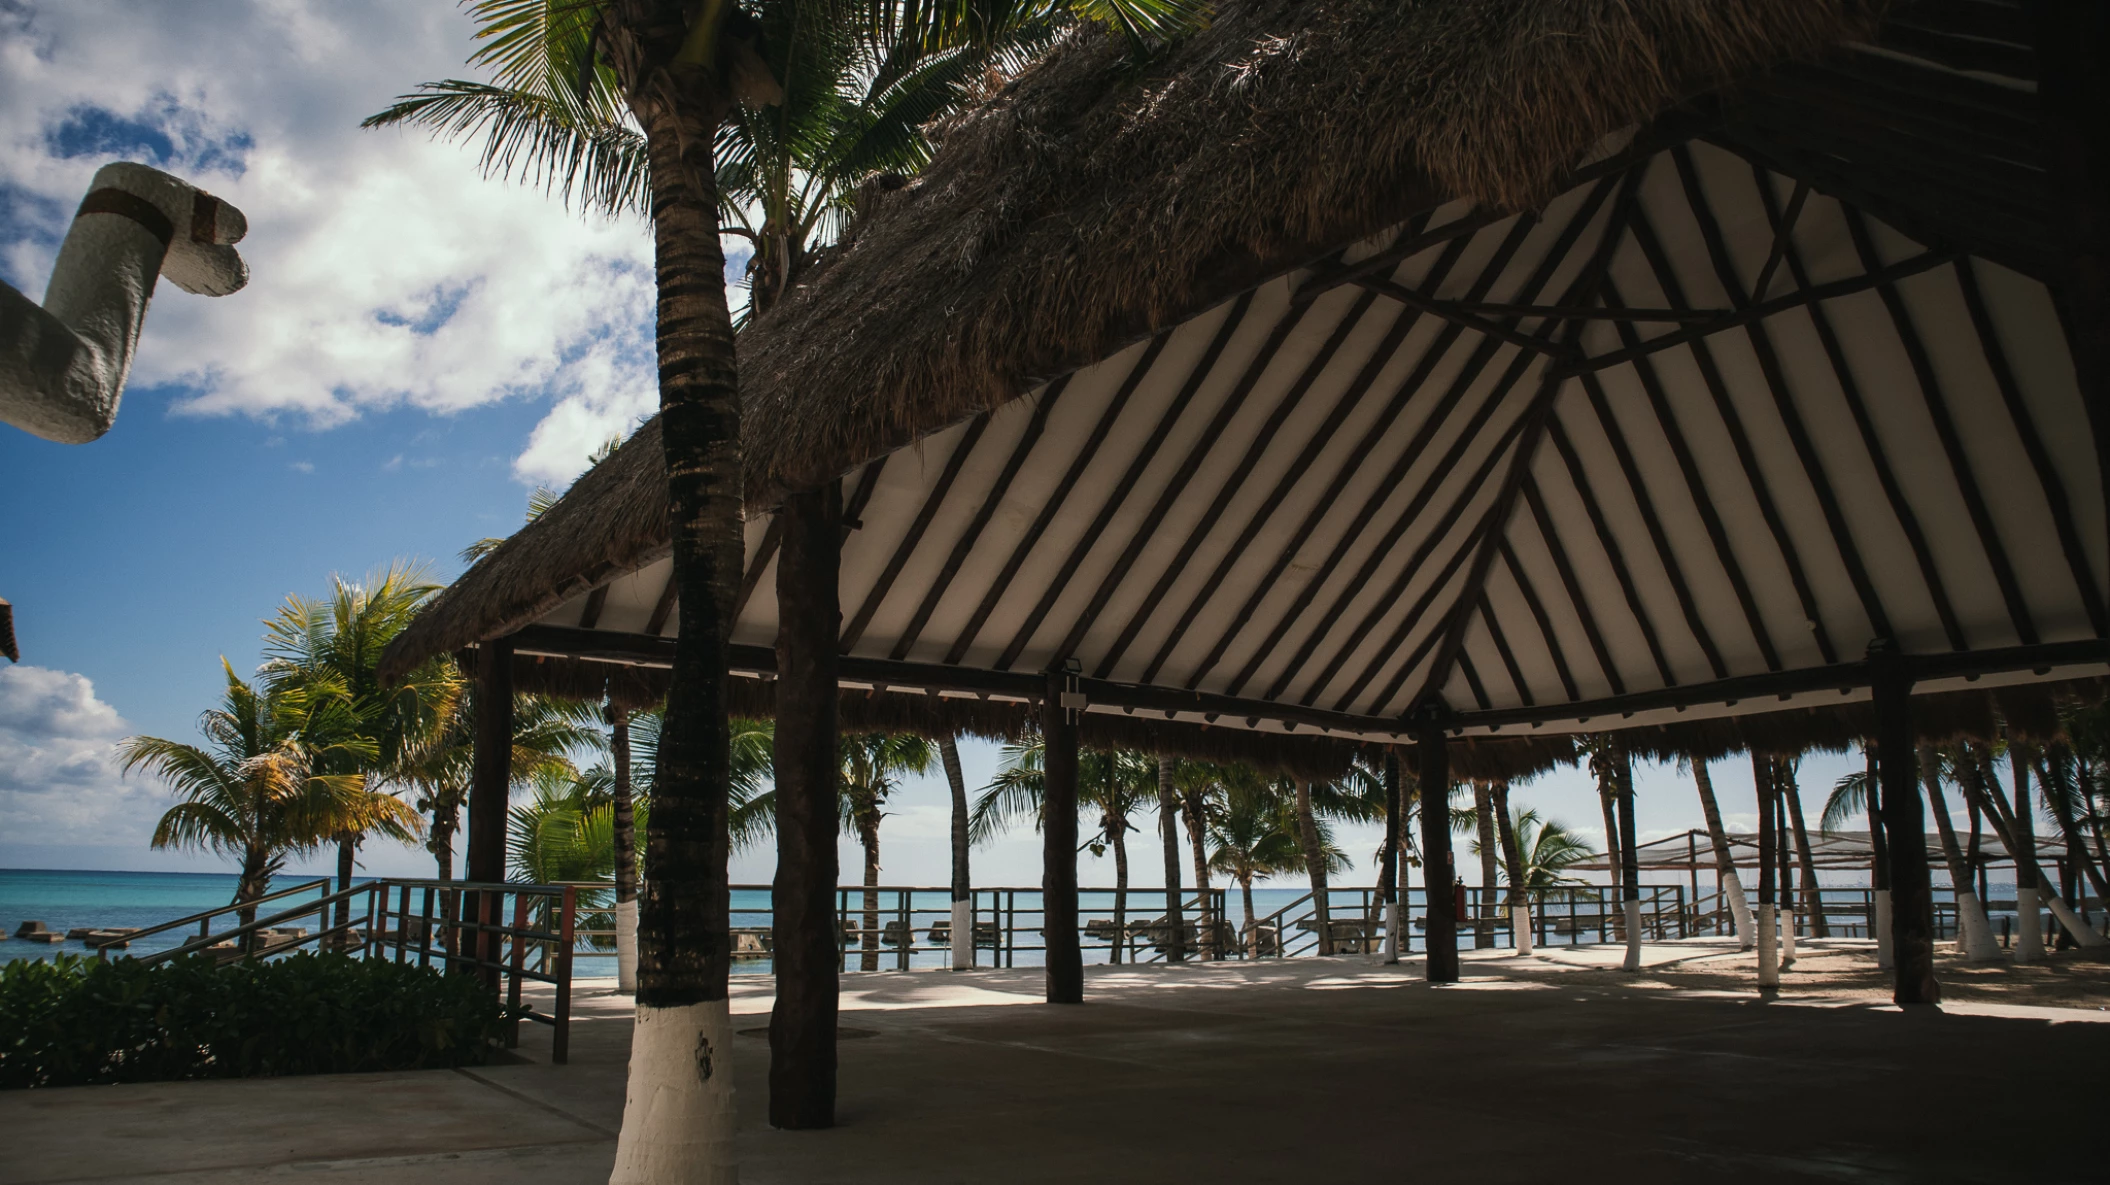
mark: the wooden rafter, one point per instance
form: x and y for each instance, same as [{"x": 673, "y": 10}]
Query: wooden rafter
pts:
[
  {"x": 1550, "y": 535},
  {"x": 1607, "y": 542},
  {"x": 994, "y": 497},
  {"x": 854, "y": 628}
]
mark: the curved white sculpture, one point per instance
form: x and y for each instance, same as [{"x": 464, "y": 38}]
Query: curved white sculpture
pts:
[{"x": 63, "y": 366}]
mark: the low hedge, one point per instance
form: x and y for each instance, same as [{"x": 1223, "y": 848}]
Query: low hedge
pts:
[{"x": 76, "y": 1021}]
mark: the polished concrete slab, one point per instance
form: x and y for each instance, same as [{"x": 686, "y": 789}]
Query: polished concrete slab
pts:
[{"x": 1551, "y": 1068}]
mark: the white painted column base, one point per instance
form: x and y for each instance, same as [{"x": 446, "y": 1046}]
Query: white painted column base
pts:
[
  {"x": 2082, "y": 932},
  {"x": 1976, "y": 942},
  {"x": 2029, "y": 927},
  {"x": 1787, "y": 939},
  {"x": 1739, "y": 910},
  {"x": 1392, "y": 933},
  {"x": 1886, "y": 957},
  {"x": 1768, "y": 947},
  {"x": 626, "y": 947},
  {"x": 1632, "y": 909},
  {"x": 678, "y": 1116},
  {"x": 963, "y": 935},
  {"x": 1520, "y": 927}
]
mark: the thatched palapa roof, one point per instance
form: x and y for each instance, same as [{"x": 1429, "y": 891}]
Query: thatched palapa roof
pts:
[{"x": 1087, "y": 204}]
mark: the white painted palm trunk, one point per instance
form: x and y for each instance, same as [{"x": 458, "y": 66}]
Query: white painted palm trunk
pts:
[
  {"x": 1520, "y": 927},
  {"x": 1739, "y": 909},
  {"x": 2029, "y": 927},
  {"x": 1392, "y": 917},
  {"x": 2082, "y": 932},
  {"x": 63, "y": 365},
  {"x": 626, "y": 947},
  {"x": 1768, "y": 947},
  {"x": 962, "y": 935},
  {"x": 1977, "y": 941},
  {"x": 1633, "y": 936},
  {"x": 678, "y": 1117},
  {"x": 1787, "y": 938},
  {"x": 1886, "y": 955}
]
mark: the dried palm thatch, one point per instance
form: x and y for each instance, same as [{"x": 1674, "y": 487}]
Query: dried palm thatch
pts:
[{"x": 1090, "y": 202}]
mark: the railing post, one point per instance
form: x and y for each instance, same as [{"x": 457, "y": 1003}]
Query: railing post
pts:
[
  {"x": 518, "y": 956},
  {"x": 560, "y": 1040}
]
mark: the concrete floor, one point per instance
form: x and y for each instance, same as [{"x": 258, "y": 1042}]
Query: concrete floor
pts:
[{"x": 1293, "y": 1071}]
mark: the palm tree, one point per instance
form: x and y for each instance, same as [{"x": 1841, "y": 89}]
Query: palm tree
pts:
[
  {"x": 1196, "y": 786},
  {"x": 677, "y": 73},
  {"x": 873, "y": 765},
  {"x": 328, "y": 650},
  {"x": 962, "y": 922},
  {"x": 1547, "y": 850},
  {"x": 1732, "y": 886},
  {"x": 1255, "y": 832},
  {"x": 255, "y": 791},
  {"x": 436, "y": 765}
]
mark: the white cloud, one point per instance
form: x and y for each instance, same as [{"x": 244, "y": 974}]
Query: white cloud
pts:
[
  {"x": 386, "y": 271},
  {"x": 59, "y": 780}
]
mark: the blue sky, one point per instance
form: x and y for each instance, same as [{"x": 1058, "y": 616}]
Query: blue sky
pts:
[{"x": 418, "y": 348}]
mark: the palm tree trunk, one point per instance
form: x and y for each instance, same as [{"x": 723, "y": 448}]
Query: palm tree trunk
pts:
[
  {"x": 1513, "y": 863},
  {"x": 1314, "y": 866},
  {"x": 1484, "y": 820},
  {"x": 1252, "y": 931},
  {"x": 1208, "y": 925},
  {"x": 1784, "y": 848},
  {"x": 1117, "y": 826},
  {"x": 254, "y": 882},
  {"x": 1629, "y": 855},
  {"x": 680, "y": 1128},
  {"x": 1169, "y": 833},
  {"x": 868, "y": 835},
  {"x": 1724, "y": 861},
  {"x": 441, "y": 841},
  {"x": 2076, "y": 846},
  {"x": 625, "y": 812},
  {"x": 1768, "y": 917},
  {"x": 347, "y": 861},
  {"x": 1608, "y": 803},
  {"x": 1976, "y": 939},
  {"x": 962, "y": 881},
  {"x": 1803, "y": 855},
  {"x": 2014, "y": 828},
  {"x": 1879, "y": 920},
  {"x": 1388, "y": 859}
]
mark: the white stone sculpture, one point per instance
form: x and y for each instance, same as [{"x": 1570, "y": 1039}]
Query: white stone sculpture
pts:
[{"x": 63, "y": 365}]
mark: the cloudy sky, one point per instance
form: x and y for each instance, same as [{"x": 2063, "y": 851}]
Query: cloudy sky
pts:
[{"x": 418, "y": 348}]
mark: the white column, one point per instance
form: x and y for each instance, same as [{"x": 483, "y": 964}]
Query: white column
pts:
[
  {"x": 626, "y": 947},
  {"x": 1520, "y": 927},
  {"x": 1632, "y": 909},
  {"x": 1768, "y": 947},
  {"x": 678, "y": 1116},
  {"x": 1392, "y": 932},
  {"x": 1787, "y": 938}
]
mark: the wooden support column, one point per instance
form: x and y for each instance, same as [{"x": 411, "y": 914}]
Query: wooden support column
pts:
[
  {"x": 1768, "y": 874},
  {"x": 802, "y": 1023},
  {"x": 1058, "y": 852},
  {"x": 1629, "y": 855},
  {"x": 490, "y": 789},
  {"x": 1441, "y": 927},
  {"x": 1905, "y": 829},
  {"x": 1878, "y": 869}
]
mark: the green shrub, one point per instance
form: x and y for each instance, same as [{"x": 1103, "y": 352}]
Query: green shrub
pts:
[{"x": 76, "y": 1021}]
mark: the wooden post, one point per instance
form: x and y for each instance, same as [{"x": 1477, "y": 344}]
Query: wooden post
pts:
[
  {"x": 624, "y": 819},
  {"x": 1878, "y": 867},
  {"x": 490, "y": 793},
  {"x": 1905, "y": 830},
  {"x": 491, "y": 776},
  {"x": 1169, "y": 835},
  {"x": 1058, "y": 852},
  {"x": 1430, "y": 746},
  {"x": 802, "y": 1023}
]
